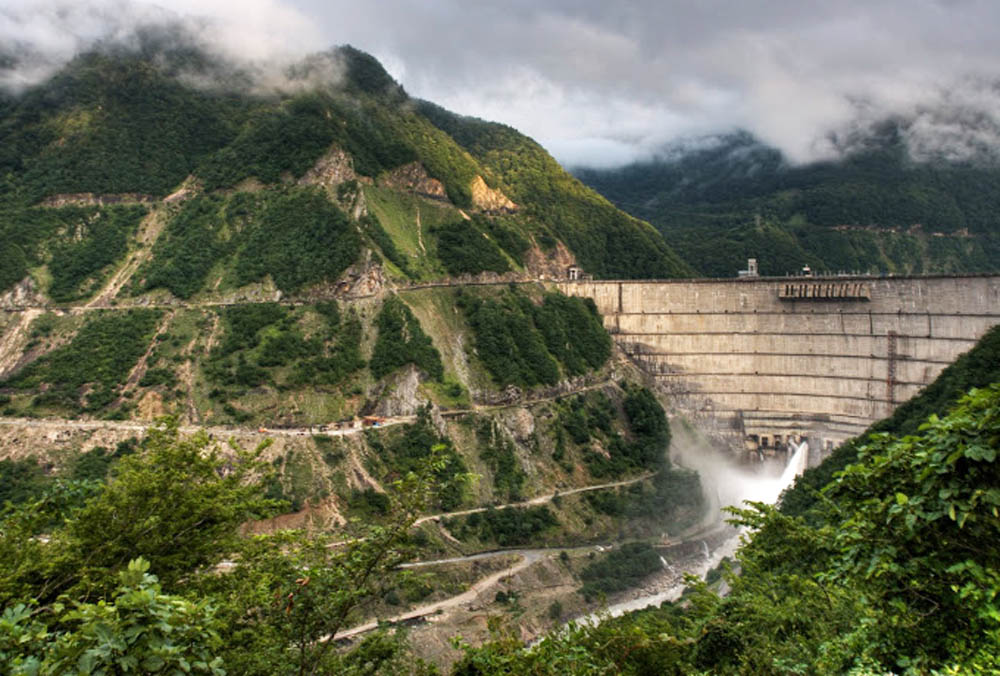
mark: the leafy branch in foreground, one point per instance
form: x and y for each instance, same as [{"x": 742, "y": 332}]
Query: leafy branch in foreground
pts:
[
  {"x": 900, "y": 577},
  {"x": 78, "y": 594},
  {"x": 178, "y": 503},
  {"x": 141, "y": 630}
]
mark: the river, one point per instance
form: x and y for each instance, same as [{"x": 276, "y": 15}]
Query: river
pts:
[{"x": 732, "y": 486}]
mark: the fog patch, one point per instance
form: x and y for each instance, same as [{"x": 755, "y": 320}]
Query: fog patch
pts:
[{"x": 252, "y": 44}]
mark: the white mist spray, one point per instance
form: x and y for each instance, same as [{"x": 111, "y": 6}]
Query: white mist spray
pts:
[{"x": 727, "y": 483}]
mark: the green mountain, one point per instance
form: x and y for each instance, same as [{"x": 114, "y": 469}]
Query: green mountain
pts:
[
  {"x": 877, "y": 210},
  {"x": 125, "y": 127},
  {"x": 354, "y": 286}
]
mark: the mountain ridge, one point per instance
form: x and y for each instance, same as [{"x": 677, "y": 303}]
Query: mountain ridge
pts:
[
  {"x": 876, "y": 210},
  {"x": 110, "y": 124}
]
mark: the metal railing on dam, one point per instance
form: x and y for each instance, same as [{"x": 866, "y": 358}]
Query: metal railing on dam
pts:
[{"x": 815, "y": 357}]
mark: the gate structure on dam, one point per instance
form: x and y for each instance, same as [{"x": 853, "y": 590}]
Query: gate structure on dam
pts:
[{"x": 781, "y": 358}]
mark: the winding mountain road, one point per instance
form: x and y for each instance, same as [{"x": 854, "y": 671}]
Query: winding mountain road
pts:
[{"x": 528, "y": 557}]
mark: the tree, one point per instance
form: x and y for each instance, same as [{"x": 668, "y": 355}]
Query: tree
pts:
[
  {"x": 141, "y": 630},
  {"x": 919, "y": 538},
  {"x": 291, "y": 593},
  {"x": 74, "y": 601}
]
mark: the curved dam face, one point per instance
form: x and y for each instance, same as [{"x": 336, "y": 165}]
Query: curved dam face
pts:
[{"x": 787, "y": 358}]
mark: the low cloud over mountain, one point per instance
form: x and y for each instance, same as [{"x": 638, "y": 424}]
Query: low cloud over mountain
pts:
[{"x": 603, "y": 84}]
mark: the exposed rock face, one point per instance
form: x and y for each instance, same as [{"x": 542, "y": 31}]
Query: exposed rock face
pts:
[
  {"x": 486, "y": 198},
  {"x": 178, "y": 196},
  {"x": 259, "y": 292},
  {"x": 23, "y": 294},
  {"x": 151, "y": 406},
  {"x": 400, "y": 394},
  {"x": 520, "y": 422},
  {"x": 413, "y": 177},
  {"x": 364, "y": 279},
  {"x": 334, "y": 168},
  {"x": 552, "y": 265}
]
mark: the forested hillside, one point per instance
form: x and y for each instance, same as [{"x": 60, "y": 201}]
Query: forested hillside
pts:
[{"x": 877, "y": 210}]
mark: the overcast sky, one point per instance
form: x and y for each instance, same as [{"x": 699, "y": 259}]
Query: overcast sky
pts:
[{"x": 601, "y": 82}]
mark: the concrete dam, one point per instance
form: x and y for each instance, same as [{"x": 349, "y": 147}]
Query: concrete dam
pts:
[{"x": 776, "y": 359}]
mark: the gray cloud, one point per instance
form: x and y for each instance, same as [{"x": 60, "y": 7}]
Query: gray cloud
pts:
[
  {"x": 602, "y": 83},
  {"x": 263, "y": 36},
  {"x": 636, "y": 73}
]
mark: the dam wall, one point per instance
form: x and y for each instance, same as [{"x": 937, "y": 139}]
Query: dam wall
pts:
[{"x": 781, "y": 358}]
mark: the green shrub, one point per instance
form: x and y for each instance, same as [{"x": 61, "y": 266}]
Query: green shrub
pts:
[
  {"x": 506, "y": 237},
  {"x": 287, "y": 138},
  {"x": 373, "y": 228},
  {"x": 244, "y": 323},
  {"x": 672, "y": 495},
  {"x": 100, "y": 356},
  {"x": 369, "y": 502},
  {"x": 112, "y": 122},
  {"x": 573, "y": 332},
  {"x": 158, "y": 376},
  {"x": 508, "y": 527},
  {"x": 191, "y": 243},
  {"x": 299, "y": 238},
  {"x": 103, "y": 240},
  {"x": 95, "y": 464},
  {"x": 507, "y": 342},
  {"x": 401, "y": 341},
  {"x": 464, "y": 249},
  {"x": 405, "y": 449},
  {"x": 340, "y": 358},
  {"x": 497, "y": 451},
  {"x": 521, "y": 343},
  {"x": 620, "y": 569},
  {"x": 22, "y": 480},
  {"x": 43, "y": 325}
]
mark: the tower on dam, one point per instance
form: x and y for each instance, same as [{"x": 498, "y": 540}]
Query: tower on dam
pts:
[{"x": 789, "y": 358}]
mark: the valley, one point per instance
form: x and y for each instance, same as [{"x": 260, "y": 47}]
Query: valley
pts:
[{"x": 297, "y": 366}]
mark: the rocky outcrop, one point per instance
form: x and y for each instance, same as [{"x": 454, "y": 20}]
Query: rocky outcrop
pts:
[
  {"x": 413, "y": 177},
  {"x": 22, "y": 295},
  {"x": 551, "y": 265},
  {"x": 179, "y": 195},
  {"x": 332, "y": 169},
  {"x": 488, "y": 199},
  {"x": 399, "y": 396},
  {"x": 520, "y": 422},
  {"x": 362, "y": 280}
]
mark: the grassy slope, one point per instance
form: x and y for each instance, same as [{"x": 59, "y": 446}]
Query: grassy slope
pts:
[{"x": 608, "y": 243}]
